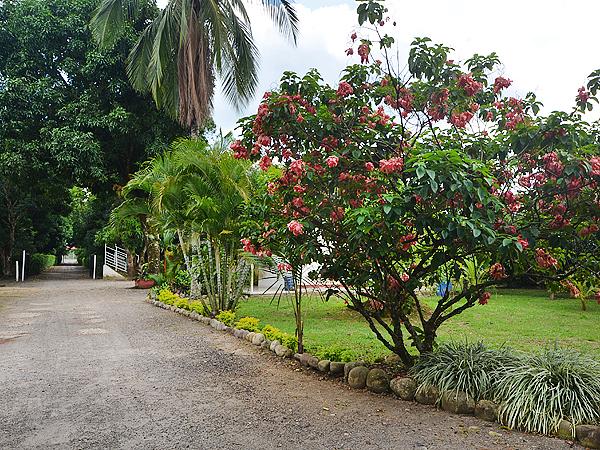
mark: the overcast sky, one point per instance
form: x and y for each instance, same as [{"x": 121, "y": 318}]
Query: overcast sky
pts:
[{"x": 548, "y": 47}]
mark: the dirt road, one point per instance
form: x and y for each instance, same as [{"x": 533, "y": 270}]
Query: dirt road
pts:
[{"x": 88, "y": 364}]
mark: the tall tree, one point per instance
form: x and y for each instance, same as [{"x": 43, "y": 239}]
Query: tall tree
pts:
[{"x": 190, "y": 43}]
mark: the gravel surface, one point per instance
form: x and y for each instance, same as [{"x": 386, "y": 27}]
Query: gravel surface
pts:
[{"x": 89, "y": 364}]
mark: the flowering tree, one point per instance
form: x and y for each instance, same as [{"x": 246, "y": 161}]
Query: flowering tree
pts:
[{"x": 397, "y": 180}]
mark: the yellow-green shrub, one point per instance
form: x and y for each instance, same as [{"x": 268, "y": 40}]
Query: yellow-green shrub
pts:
[
  {"x": 248, "y": 323},
  {"x": 275, "y": 334},
  {"x": 227, "y": 317},
  {"x": 199, "y": 308},
  {"x": 167, "y": 297},
  {"x": 181, "y": 303}
]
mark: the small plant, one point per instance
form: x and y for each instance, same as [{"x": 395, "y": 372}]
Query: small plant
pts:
[
  {"x": 181, "y": 303},
  {"x": 167, "y": 297},
  {"x": 337, "y": 353},
  {"x": 200, "y": 308},
  {"x": 182, "y": 281},
  {"x": 466, "y": 367},
  {"x": 275, "y": 334},
  {"x": 227, "y": 317},
  {"x": 537, "y": 391},
  {"x": 248, "y": 323}
]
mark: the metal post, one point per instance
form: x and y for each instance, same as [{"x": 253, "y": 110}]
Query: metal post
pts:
[
  {"x": 94, "y": 276},
  {"x": 251, "y": 279},
  {"x": 23, "y": 268},
  {"x": 17, "y": 271}
]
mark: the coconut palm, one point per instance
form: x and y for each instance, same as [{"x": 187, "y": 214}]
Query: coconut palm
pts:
[{"x": 190, "y": 43}]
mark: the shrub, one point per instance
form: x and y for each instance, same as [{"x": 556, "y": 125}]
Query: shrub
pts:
[
  {"x": 248, "y": 323},
  {"x": 40, "y": 262},
  {"x": 182, "y": 281},
  {"x": 538, "y": 390},
  {"x": 466, "y": 367},
  {"x": 167, "y": 297},
  {"x": 337, "y": 353},
  {"x": 181, "y": 303},
  {"x": 200, "y": 308},
  {"x": 286, "y": 339},
  {"x": 227, "y": 317}
]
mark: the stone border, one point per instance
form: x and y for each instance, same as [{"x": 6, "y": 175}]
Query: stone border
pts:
[{"x": 358, "y": 376}]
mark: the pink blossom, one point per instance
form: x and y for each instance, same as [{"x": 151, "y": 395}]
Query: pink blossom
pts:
[
  {"x": 501, "y": 83},
  {"x": 469, "y": 84},
  {"x": 484, "y": 298},
  {"x": 265, "y": 162},
  {"x": 296, "y": 228},
  {"x": 582, "y": 95},
  {"x": 595, "y": 163},
  {"x": 404, "y": 277},
  {"x": 544, "y": 259},
  {"x": 332, "y": 161},
  {"x": 344, "y": 89},
  {"x": 369, "y": 166},
  {"x": 363, "y": 51},
  {"x": 395, "y": 164},
  {"x": 461, "y": 120}
]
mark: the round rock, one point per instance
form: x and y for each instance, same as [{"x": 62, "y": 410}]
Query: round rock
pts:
[
  {"x": 258, "y": 338},
  {"x": 351, "y": 365},
  {"x": 378, "y": 381},
  {"x": 274, "y": 344},
  {"x": 336, "y": 369},
  {"x": 427, "y": 395},
  {"x": 458, "y": 402},
  {"x": 404, "y": 388},
  {"x": 488, "y": 410},
  {"x": 357, "y": 378},
  {"x": 323, "y": 365}
]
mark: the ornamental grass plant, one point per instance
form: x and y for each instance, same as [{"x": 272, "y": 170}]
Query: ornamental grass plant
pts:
[
  {"x": 536, "y": 391},
  {"x": 462, "y": 366}
]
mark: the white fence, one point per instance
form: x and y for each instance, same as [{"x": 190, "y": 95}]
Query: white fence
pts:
[{"x": 115, "y": 258}]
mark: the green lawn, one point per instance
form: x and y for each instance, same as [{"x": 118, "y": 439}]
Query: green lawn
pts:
[{"x": 523, "y": 319}]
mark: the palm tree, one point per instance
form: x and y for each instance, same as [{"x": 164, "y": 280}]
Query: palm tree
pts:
[{"x": 191, "y": 42}]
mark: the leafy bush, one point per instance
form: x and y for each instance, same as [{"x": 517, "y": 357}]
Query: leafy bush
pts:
[
  {"x": 181, "y": 303},
  {"x": 227, "y": 317},
  {"x": 337, "y": 353},
  {"x": 200, "y": 308},
  {"x": 248, "y": 323},
  {"x": 182, "y": 281},
  {"x": 536, "y": 391},
  {"x": 40, "y": 262},
  {"x": 286, "y": 339},
  {"x": 167, "y": 297},
  {"x": 467, "y": 367}
]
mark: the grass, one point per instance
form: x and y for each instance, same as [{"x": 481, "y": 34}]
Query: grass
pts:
[{"x": 523, "y": 319}]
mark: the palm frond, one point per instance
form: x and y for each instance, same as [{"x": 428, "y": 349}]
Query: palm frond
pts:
[
  {"x": 283, "y": 14},
  {"x": 109, "y": 18}
]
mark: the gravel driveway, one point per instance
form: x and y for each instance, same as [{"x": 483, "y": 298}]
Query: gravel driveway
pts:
[{"x": 89, "y": 364}]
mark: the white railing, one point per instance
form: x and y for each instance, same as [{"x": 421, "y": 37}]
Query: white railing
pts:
[{"x": 115, "y": 258}]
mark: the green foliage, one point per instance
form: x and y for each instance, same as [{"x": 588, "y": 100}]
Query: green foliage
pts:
[
  {"x": 537, "y": 391},
  {"x": 181, "y": 303},
  {"x": 248, "y": 323},
  {"x": 200, "y": 308},
  {"x": 167, "y": 297},
  {"x": 40, "y": 262},
  {"x": 466, "y": 367},
  {"x": 275, "y": 334},
  {"x": 182, "y": 281},
  {"x": 227, "y": 317},
  {"x": 337, "y": 353}
]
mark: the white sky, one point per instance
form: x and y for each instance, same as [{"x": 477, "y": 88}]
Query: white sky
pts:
[{"x": 548, "y": 47}]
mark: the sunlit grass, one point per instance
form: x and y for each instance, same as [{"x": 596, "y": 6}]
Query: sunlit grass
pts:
[{"x": 523, "y": 319}]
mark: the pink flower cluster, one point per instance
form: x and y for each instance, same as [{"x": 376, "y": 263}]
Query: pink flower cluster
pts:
[
  {"x": 461, "y": 120},
  {"x": 573, "y": 290},
  {"x": 296, "y": 228},
  {"x": 501, "y": 83},
  {"x": 395, "y": 164},
  {"x": 484, "y": 298},
  {"x": 363, "y": 51},
  {"x": 595, "y": 163},
  {"x": 332, "y": 161},
  {"x": 469, "y": 85},
  {"x": 582, "y": 95},
  {"x": 497, "y": 271},
  {"x": 544, "y": 259},
  {"x": 344, "y": 89},
  {"x": 552, "y": 164}
]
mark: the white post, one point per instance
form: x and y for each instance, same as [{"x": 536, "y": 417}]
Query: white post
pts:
[
  {"x": 23, "y": 268},
  {"x": 94, "y": 276},
  {"x": 17, "y": 271},
  {"x": 251, "y": 279}
]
